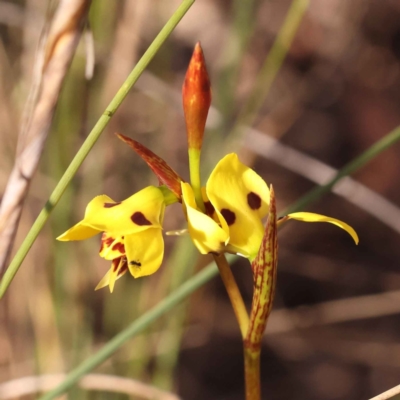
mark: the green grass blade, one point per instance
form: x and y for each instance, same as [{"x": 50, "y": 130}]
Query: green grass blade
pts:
[
  {"x": 89, "y": 143},
  {"x": 137, "y": 326},
  {"x": 273, "y": 62},
  {"x": 378, "y": 147}
]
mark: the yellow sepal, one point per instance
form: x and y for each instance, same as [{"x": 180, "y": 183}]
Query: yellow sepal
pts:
[
  {"x": 143, "y": 210},
  {"x": 78, "y": 232},
  {"x": 206, "y": 234},
  {"x": 241, "y": 199},
  {"x": 311, "y": 217}
]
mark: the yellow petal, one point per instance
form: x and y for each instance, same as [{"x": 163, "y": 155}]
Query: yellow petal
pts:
[
  {"x": 143, "y": 210},
  {"x": 206, "y": 234},
  {"x": 311, "y": 217},
  {"x": 111, "y": 247},
  {"x": 78, "y": 232},
  {"x": 118, "y": 268},
  {"x": 241, "y": 198},
  {"x": 144, "y": 251}
]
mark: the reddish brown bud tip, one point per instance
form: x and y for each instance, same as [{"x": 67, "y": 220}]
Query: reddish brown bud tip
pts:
[
  {"x": 196, "y": 93},
  {"x": 163, "y": 171}
]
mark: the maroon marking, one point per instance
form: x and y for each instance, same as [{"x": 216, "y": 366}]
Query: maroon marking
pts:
[
  {"x": 109, "y": 205},
  {"x": 119, "y": 247},
  {"x": 209, "y": 208},
  {"x": 254, "y": 201},
  {"x": 139, "y": 219},
  {"x": 115, "y": 264},
  {"x": 123, "y": 268},
  {"x": 108, "y": 241},
  {"x": 105, "y": 242},
  {"x": 229, "y": 216}
]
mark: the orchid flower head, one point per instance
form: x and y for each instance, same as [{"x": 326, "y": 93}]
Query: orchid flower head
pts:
[{"x": 132, "y": 232}]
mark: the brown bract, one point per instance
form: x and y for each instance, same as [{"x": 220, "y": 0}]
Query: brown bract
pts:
[
  {"x": 196, "y": 93},
  {"x": 264, "y": 272},
  {"x": 166, "y": 175}
]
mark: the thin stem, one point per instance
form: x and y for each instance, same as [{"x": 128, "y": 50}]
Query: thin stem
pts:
[
  {"x": 195, "y": 180},
  {"x": 252, "y": 373},
  {"x": 233, "y": 292},
  {"x": 89, "y": 143}
]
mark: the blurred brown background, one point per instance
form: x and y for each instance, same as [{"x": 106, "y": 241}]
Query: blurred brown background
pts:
[{"x": 334, "y": 332}]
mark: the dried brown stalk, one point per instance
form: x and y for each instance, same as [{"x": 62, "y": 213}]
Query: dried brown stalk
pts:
[
  {"x": 52, "y": 63},
  {"x": 109, "y": 383},
  {"x": 393, "y": 394}
]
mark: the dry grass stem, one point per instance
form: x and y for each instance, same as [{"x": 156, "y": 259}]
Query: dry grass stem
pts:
[
  {"x": 34, "y": 384},
  {"x": 335, "y": 311},
  {"x": 393, "y": 394},
  {"x": 51, "y": 65},
  {"x": 328, "y": 312}
]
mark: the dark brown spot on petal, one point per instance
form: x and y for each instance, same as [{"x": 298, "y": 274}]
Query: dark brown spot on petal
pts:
[
  {"x": 119, "y": 247},
  {"x": 109, "y": 205},
  {"x": 139, "y": 219},
  {"x": 254, "y": 201},
  {"x": 209, "y": 208},
  {"x": 136, "y": 263},
  {"x": 229, "y": 216}
]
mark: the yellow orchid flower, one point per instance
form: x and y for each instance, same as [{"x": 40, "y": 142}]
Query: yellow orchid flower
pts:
[
  {"x": 236, "y": 200},
  {"x": 224, "y": 216},
  {"x": 132, "y": 233}
]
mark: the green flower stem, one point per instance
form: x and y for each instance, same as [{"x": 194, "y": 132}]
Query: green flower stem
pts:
[
  {"x": 252, "y": 372},
  {"x": 195, "y": 180},
  {"x": 377, "y": 148},
  {"x": 234, "y": 293},
  {"x": 207, "y": 274},
  {"x": 133, "y": 329},
  {"x": 89, "y": 143}
]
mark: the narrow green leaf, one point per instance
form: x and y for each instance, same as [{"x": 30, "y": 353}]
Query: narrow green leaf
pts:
[{"x": 89, "y": 143}]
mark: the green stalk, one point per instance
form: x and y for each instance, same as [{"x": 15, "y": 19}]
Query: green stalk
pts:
[
  {"x": 89, "y": 143},
  {"x": 195, "y": 180},
  {"x": 207, "y": 274}
]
